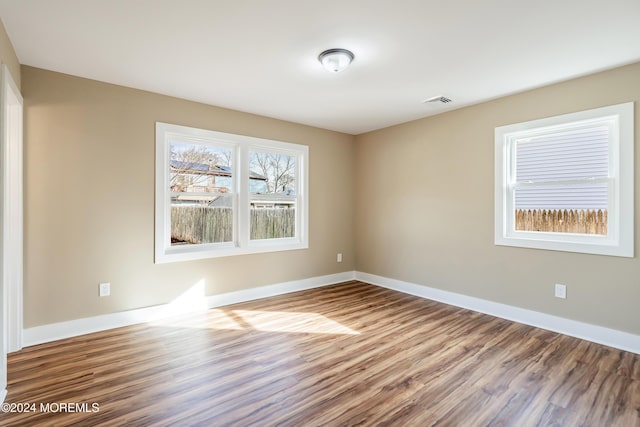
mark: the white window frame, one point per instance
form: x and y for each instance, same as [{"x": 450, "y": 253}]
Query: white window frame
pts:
[
  {"x": 241, "y": 244},
  {"x": 620, "y": 238}
]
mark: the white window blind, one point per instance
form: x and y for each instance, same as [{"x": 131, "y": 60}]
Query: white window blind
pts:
[{"x": 564, "y": 170}]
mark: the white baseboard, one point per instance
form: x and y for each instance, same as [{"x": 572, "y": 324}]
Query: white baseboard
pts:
[
  {"x": 598, "y": 334},
  {"x": 3, "y": 394},
  {"x": 72, "y": 328}
]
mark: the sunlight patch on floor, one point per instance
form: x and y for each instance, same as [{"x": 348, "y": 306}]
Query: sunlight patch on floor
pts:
[
  {"x": 189, "y": 310},
  {"x": 267, "y": 321},
  {"x": 287, "y": 321},
  {"x": 211, "y": 319}
]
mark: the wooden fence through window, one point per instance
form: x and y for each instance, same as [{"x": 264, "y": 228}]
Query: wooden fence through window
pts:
[
  {"x": 207, "y": 224},
  {"x": 583, "y": 221}
]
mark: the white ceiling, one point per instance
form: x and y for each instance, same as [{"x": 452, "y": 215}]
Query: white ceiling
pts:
[{"x": 260, "y": 56}]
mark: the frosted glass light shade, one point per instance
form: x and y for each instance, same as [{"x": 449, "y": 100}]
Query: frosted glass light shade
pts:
[{"x": 335, "y": 60}]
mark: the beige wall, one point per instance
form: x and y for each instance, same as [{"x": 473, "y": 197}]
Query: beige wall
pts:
[
  {"x": 423, "y": 204},
  {"x": 424, "y": 209},
  {"x": 8, "y": 55},
  {"x": 89, "y": 200}
]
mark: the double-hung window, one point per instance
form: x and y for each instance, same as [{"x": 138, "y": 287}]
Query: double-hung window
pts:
[
  {"x": 220, "y": 194},
  {"x": 566, "y": 182}
]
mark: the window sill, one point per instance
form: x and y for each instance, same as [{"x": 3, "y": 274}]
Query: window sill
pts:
[
  {"x": 588, "y": 244},
  {"x": 196, "y": 252}
]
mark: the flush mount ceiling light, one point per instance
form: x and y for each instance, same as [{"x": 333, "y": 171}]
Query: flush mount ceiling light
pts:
[
  {"x": 436, "y": 99},
  {"x": 335, "y": 60}
]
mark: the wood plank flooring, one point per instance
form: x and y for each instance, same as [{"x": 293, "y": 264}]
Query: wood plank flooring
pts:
[{"x": 344, "y": 355}]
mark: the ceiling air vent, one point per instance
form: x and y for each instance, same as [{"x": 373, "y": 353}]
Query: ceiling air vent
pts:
[{"x": 439, "y": 98}]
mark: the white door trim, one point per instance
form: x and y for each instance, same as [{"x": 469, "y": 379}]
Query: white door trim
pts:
[{"x": 11, "y": 109}]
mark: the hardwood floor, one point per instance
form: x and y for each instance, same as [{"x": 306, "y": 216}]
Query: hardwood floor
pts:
[{"x": 349, "y": 354}]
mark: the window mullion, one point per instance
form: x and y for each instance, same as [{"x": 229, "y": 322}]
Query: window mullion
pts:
[
  {"x": 242, "y": 196},
  {"x": 301, "y": 197}
]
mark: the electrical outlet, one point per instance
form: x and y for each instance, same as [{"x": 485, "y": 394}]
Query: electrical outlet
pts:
[
  {"x": 561, "y": 291},
  {"x": 104, "y": 289},
  {"x": 339, "y": 257}
]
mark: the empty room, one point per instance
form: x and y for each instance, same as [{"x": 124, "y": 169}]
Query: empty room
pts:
[{"x": 284, "y": 213}]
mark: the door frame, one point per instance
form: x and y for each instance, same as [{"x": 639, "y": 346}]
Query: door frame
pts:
[{"x": 11, "y": 187}]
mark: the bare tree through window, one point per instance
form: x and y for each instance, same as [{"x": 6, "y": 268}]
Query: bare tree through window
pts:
[{"x": 279, "y": 169}]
